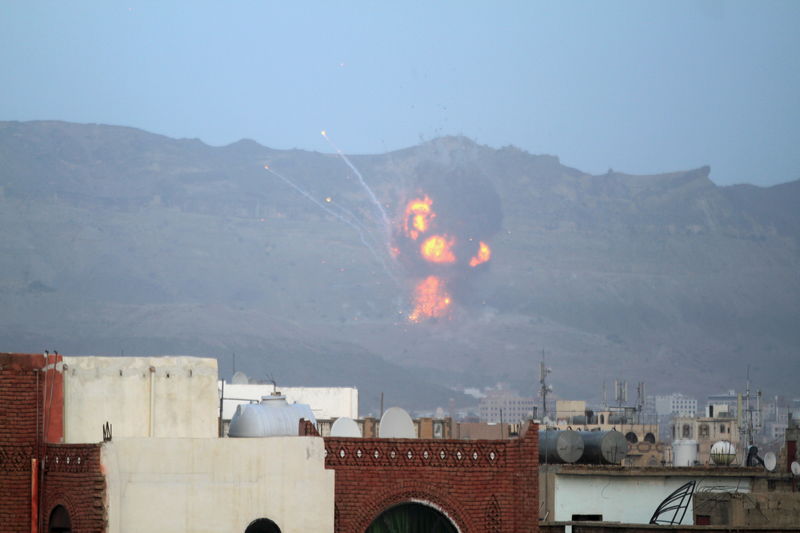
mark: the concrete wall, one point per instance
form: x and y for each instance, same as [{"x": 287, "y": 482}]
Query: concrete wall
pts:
[
  {"x": 630, "y": 499},
  {"x": 325, "y": 402},
  {"x": 140, "y": 397},
  {"x": 217, "y": 485}
]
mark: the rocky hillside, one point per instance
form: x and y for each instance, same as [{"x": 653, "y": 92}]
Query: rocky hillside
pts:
[{"x": 120, "y": 241}]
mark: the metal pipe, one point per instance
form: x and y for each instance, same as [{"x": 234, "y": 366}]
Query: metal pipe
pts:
[
  {"x": 152, "y": 402},
  {"x": 34, "y": 495}
]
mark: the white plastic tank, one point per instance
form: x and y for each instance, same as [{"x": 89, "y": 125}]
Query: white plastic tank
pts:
[
  {"x": 723, "y": 452},
  {"x": 684, "y": 452},
  {"x": 273, "y": 417}
]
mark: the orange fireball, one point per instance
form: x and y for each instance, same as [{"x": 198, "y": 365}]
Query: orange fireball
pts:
[
  {"x": 431, "y": 300},
  {"x": 418, "y": 217},
  {"x": 438, "y": 249},
  {"x": 483, "y": 255}
]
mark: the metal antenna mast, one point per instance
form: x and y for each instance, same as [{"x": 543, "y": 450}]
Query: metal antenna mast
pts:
[{"x": 545, "y": 388}]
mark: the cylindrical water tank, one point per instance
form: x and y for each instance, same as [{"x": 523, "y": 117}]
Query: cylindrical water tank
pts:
[
  {"x": 603, "y": 447},
  {"x": 723, "y": 452},
  {"x": 271, "y": 418},
  {"x": 617, "y": 419},
  {"x": 561, "y": 446},
  {"x": 684, "y": 452}
]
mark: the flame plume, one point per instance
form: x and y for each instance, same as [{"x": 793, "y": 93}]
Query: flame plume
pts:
[
  {"x": 419, "y": 215},
  {"x": 483, "y": 255},
  {"x": 438, "y": 249},
  {"x": 431, "y": 300}
]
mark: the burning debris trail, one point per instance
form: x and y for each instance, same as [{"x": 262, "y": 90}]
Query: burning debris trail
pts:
[
  {"x": 345, "y": 215},
  {"x": 381, "y": 210}
]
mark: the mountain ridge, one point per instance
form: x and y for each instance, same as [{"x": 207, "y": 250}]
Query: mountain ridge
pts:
[{"x": 623, "y": 273}]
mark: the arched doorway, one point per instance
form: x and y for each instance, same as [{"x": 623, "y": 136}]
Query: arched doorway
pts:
[
  {"x": 262, "y": 525},
  {"x": 59, "y": 520},
  {"x": 410, "y": 518}
]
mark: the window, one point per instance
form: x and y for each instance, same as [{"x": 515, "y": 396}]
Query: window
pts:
[
  {"x": 703, "y": 430},
  {"x": 587, "y": 518},
  {"x": 687, "y": 431}
]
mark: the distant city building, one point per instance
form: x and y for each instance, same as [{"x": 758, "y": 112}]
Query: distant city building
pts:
[
  {"x": 716, "y": 404},
  {"x": 706, "y": 431},
  {"x": 675, "y": 404},
  {"x": 504, "y": 406}
]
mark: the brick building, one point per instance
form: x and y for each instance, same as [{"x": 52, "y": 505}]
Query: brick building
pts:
[
  {"x": 483, "y": 486},
  {"x": 41, "y": 480},
  {"x": 165, "y": 469}
]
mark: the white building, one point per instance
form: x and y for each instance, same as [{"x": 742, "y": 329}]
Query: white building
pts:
[
  {"x": 167, "y": 471},
  {"x": 504, "y": 406},
  {"x": 675, "y": 404},
  {"x": 626, "y": 495}
]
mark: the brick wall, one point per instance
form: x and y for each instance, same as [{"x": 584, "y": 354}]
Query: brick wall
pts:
[
  {"x": 481, "y": 486},
  {"x": 21, "y": 389},
  {"x": 31, "y": 407},
  {"x": 73, "y": 478}
]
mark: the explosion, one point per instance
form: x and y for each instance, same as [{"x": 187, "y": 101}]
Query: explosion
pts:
[
  {"x": 427, "y": 245},
  {"x": 431, "y": 300},
  {"x": 419, "y": 215},
  {"x": 441, "y": 249},
  {"x": 438, "y": 249}
]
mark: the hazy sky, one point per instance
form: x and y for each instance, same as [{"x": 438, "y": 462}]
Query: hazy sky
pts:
[{"x": 641, "y": 87}]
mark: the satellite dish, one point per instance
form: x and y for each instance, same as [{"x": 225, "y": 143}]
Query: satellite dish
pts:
[
  {"x": 795, "y": 468},
  {"x": 396, "y": 424},
  {"x": 770, "y": 461},
  {"x": 345, "y": 427}
]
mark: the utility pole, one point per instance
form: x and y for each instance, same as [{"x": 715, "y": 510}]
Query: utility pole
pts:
[
  {"x": 749, "y": 411},
  {"x": 544, "y": 387}
]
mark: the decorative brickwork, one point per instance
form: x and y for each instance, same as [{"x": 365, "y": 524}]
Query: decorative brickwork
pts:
[
  {"x": 480, "y": 486},
  {"x": 73, "y": 478},
  {"x": 21, "y": 417},
  {"x": 31, "y": 407},
  {"x": 494, "y": 521}
]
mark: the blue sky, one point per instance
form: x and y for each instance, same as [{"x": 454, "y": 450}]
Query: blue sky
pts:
[{"x": 640, "y": 87}]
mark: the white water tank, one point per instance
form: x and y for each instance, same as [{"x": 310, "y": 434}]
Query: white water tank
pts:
[
  {"x": 273, "y": 417},
  {"x": 684, "y": 452},
  {"x": 723, "y": 452}
]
